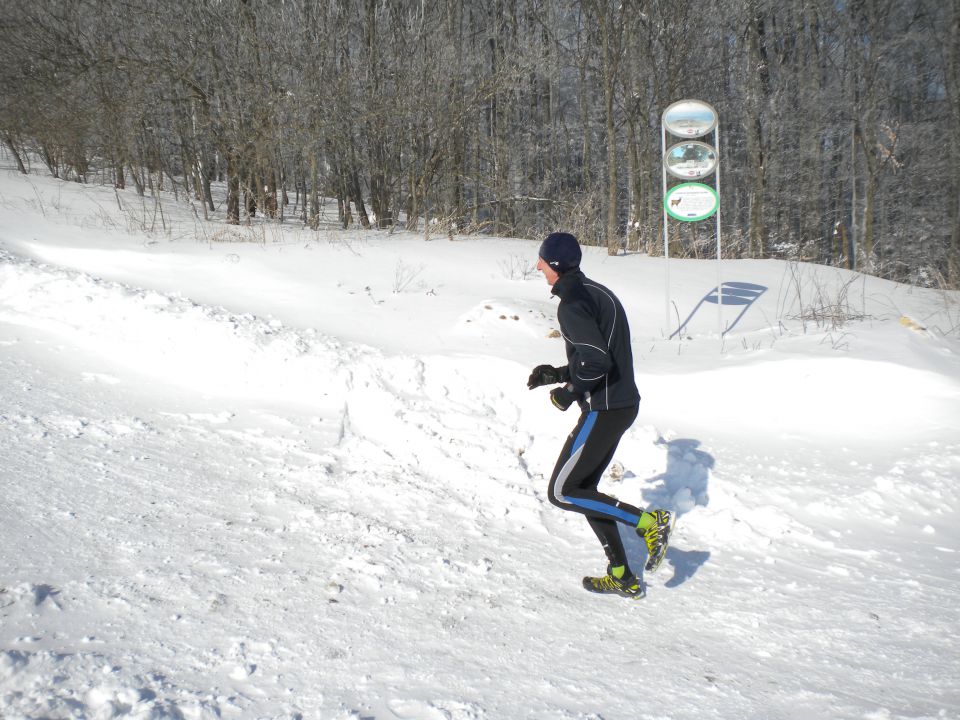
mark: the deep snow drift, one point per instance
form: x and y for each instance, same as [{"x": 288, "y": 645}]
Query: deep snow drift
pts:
[{"x": 267, "y": 472}]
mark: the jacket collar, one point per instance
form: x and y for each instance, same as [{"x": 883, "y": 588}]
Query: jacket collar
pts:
[{"x": 567, "y": 282}]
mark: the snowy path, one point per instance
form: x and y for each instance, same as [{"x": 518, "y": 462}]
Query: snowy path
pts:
[{"x": 206, "y": 513}]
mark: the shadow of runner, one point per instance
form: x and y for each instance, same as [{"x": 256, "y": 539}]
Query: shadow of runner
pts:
[
  {"x": 684, "y": 485},
  {"x": 685, "y": 564},
  {"x": 681, "y": 488}
]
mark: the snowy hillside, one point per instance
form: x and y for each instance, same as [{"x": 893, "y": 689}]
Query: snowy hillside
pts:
[{"x": 271, "y": 473}]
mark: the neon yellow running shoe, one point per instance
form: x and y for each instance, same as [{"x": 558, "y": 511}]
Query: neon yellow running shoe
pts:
[
  {"x": 657, "y": 537},
  {"x": 627, "y": 586}
]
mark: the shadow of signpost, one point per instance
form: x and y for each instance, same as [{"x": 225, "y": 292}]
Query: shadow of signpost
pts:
[
  {"x": 681, "y": 488},
  {"x": 740, "y": 294}
]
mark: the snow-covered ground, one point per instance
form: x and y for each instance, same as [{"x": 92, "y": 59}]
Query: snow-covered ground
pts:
[{"x": 263, "y": 472}]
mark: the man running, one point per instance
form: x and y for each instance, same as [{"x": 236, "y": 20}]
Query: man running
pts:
[{"x": 598, "y": 376}]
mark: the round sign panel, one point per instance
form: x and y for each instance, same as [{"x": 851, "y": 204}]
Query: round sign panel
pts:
[
  {"x": 692, "y": 159},
  {"x": 691, "y": 202},
  {"x": 689, "y": 118}
]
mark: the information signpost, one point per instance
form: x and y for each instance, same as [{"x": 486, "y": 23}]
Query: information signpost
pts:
[{"x": 691, "y": 160}]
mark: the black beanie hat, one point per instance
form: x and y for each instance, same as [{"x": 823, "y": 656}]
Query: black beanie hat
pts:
[{"x": 561, "y": 251}]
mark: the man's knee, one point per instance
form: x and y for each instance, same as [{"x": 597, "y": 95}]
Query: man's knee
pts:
[{"x": 557, "y": 494}]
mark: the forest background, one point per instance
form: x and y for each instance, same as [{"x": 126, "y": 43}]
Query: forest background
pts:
[{"x": 839, "y": 121}]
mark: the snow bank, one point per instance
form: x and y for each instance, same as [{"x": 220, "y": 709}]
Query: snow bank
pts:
[{"x": 255, "y": 481}]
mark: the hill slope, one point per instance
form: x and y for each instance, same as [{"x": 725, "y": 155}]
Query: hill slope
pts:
[{"x": 304, "y": 478}]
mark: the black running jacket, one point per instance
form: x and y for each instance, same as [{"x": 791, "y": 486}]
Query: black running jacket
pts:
[{"x": 599, "y": 357}]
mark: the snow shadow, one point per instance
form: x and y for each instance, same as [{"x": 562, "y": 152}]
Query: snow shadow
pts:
[
  {"x": 684, "y": 484},
  {"x": 682, "y": 487},
  {"x": 42, "y": 593},
  {"x": 685, "y": 564},
  {"x": 742, "y": 294}
]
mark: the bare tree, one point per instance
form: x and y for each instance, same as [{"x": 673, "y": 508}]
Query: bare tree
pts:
[{"x": 489, "y": 115}]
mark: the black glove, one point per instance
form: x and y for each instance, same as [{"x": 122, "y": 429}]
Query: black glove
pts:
[
  {"x": 562, "y": 398},
  {"x": 544, "y": 375}
]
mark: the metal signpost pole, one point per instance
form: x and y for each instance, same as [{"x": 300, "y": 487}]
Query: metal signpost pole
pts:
[
  {"x": 666, "y": 232},
  {"x": 716, "y": 145}
]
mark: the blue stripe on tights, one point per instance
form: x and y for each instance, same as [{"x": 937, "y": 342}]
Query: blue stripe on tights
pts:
[
  {"x": 584, "y": 432},
  {"x": 600, "y": 507}
]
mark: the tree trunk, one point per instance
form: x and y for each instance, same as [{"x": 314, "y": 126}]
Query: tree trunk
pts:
[
  {"x": 869, "y": 145},
  {"x": 610, "y": 62},
  {"x": 233, "y": 190},
  {"x": 754, "y": 130},
  {"x": 811, "y": 221},
  {"x": 952, "y": 84},
  {"x": 357, "y": 196},
  {"x": 270, "y": 188},
  {"x": 314, "y": 216},
  {"x": 8, "y": 141},
  {"x": 586, "y": 180},
  {"x": 635, "y": 182}
]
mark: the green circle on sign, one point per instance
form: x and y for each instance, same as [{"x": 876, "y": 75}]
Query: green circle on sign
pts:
[{"x": 691, "y": 202}]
